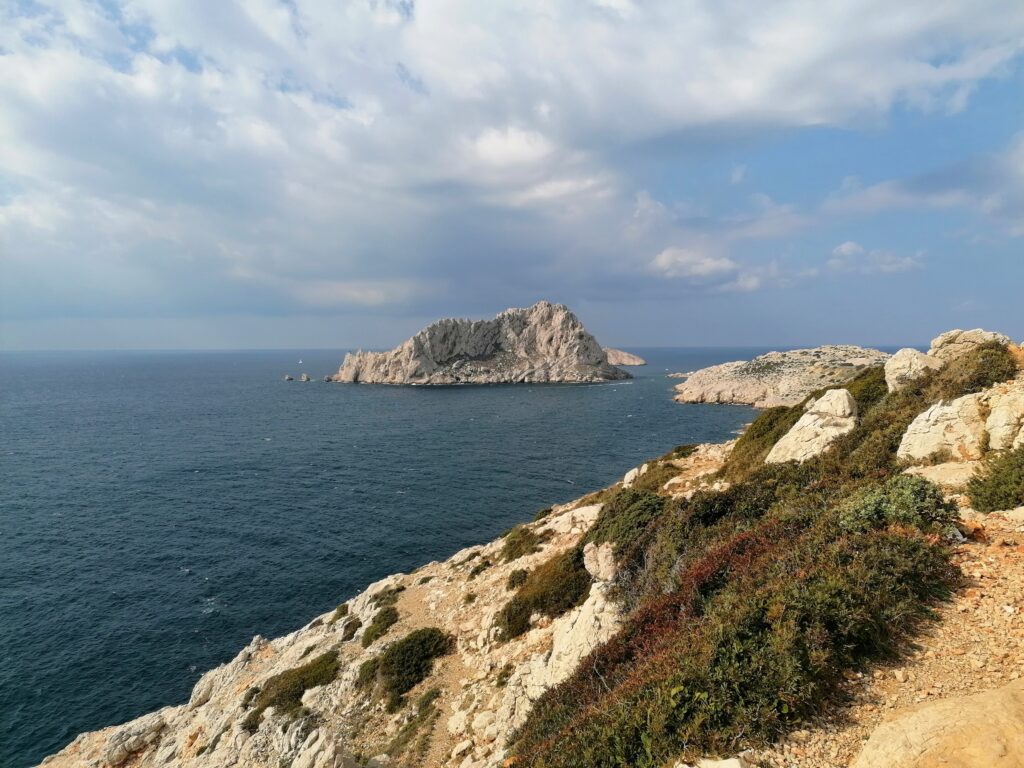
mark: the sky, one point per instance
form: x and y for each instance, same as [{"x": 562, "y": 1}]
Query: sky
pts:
[{"x": 338, "y": 173}]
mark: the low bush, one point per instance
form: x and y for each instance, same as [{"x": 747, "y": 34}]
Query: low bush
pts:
[
  {"x": 758, "y": 439},
  {"x": 624, "y": 518},
  {"x": 516, "y": 579},
  {"x": 901, "y": 500},
  {"x": 679, "y": 452},
  {"x": 404, "y": 664},
  {"x": 521, "y": 541},
  {"x": 413, "y": 738},
  {"x": 551, "y": 589},
  {"x": 382, "y": 622},
  {"x": 503, "y": 675},
  {"x": 479, "y": 568},
  {"x": 979, "y": 369},
  {"x": 657, "y": 474},
  {"x": 284, "y": 691},
  {"x": 387, "y": 596},
  {"x": 1000, "y": 482},
  {"x": 542, "y": 513},
  {"x": 339, "y": 613},
  {"x": 469, "y": 598}
]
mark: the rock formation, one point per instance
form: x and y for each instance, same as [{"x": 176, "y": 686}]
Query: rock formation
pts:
[
  {"x": 618, "y": 357},
  {"x": 777, "y": 378},
  {"x": 967, "y": 427},
  {"x": 955, "y": 343},
  {"x": 907, "y": 366},
  {"x": 543, "y": 343},
  {"x": 985, "y": 730},
  {"x": 832, "y": 415}
]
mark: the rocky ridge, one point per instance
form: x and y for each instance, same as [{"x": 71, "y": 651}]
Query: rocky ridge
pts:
[
  {"x": 777, "y": 378},
  {"x": 545, "y": 343}
]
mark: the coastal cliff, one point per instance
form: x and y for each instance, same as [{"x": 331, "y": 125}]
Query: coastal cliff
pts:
[
  {"x": 776, "y": 378},
  {"x": 620, "y": 628},
  {"x": 619, "y": 357},
  {"x": 545, "y": 343}
]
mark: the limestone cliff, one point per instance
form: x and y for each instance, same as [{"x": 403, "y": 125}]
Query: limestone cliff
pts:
[
  {"x": 777, "y": 378},
  {"x": 542, "y": 343}
]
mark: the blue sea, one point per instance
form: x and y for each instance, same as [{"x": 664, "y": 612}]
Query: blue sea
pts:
[{"x": 158, "y": 509}]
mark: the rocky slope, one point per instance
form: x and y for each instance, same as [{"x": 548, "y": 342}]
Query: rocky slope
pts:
[
  {"x": 777, "y": 378},
  {"x": 542, "y": 343},
  {"x": 619, "y": 357},
  {"x": 317, "y": 698}
]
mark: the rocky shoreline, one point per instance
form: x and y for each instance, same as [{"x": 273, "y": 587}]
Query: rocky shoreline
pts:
[{"x": 312, "y": 699}]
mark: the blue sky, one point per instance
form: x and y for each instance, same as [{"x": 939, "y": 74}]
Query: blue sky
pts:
[{"x": 314, "y": 173}]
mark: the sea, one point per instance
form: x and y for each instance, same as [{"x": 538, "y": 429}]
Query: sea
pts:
[{"x": 159, "y": 509}]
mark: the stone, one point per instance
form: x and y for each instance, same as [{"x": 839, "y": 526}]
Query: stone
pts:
[
  {"x": 289, "y": 377},
  {"x": 631, "y": 477},
  {"x": 133, "y": 737},
  {"x": 949, "y": 475},
  {"x": 777, "y": 378},
  {"x": 461, "y": 748},
  {"x": 599, "y": 560},
  {"x": 1005, "y": 422},
  {"x": 953, "y": 344},
  {"x": 829, "y": 417},
  {"x": 305, "y": 377},
  {"x": 955, "y": 430},
  {"x": 542, "y": 343},
  {"x": 985, "y": 730},
  {"x": 908, "y": 365},
  {"x": 618, "y": 357}
]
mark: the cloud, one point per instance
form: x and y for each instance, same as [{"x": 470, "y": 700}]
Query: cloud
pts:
[
  {"x": 853, "y": 257},
  {"x": 154, "y": 156}
]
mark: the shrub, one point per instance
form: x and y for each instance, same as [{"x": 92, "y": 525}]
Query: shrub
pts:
[
  {"x": 655, "y": 477},
  {"x": 349, "y": 628},
  {"x": 757, "y": 440},
  {"x": 479, "y": 568},
  {"x": 542, "y": 513},
  {"x": 503, "y": 675},
  {"x": 516, "y": 579},
  {"x": 522, "y": 541},
  {"x": 339, "y": 613},
  {"x": 425, "y": 579},
  {"x": 387, "y": 596},
  {"x": 284, "y": 691},
  {"x": 979, "y": 369},
  {"x": 404, "y": 664},
  {"x": 423, "y": 720},
  {"x": 1000, "y": 482},
  {"x": 382, "y": 622},
  {"x": 623, "y": 519},
  {"x": 551, "y": 589},
  {"x": 901, "y": 500},
  {"x": 679, "y": 452},
  {"x": 469, "y": 598}
]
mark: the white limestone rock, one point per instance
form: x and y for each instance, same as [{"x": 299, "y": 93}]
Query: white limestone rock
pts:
[
  {"x": 955, "y": 430},
  {"x": 618, "y": 357},
  {"x": 542, "y": 343},
  {"x": 1005, "y": 422},
  {"x": 777, "y": 378},
  {"x": 599, "y": 560},
  {"x": 829, "y": 417},
  {"x": 633, "y": 475},
  {"x": 955, "y": 343},
  {"x": 908, "y": 365}
]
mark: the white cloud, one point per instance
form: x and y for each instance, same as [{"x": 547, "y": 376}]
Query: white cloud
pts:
[
  {"x": 737, "y": 174},
  {"x": 693, "y": 264},
  {"x": 850, "y": 256}
]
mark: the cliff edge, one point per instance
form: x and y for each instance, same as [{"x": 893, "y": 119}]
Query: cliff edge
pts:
[{"x": 545, "y": 343}]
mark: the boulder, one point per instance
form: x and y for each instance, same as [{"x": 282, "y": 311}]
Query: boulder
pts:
[
  {"x": 618, "y": 357},
  {"x": 136, "y": 736},
  {"x": 1005, "y": 422},
  {"x": 599, "y": 560},
  {"x": 952, "y": 344},
  {"x": 631, "y": 477},
  {"x": 955, "y": 430},
  {"x": 908, "y": 365},
  {"x": 985, "y": 730},
  {"x": 829, "y": 417}
]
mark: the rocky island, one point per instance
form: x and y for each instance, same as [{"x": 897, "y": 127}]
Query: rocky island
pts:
[
  {"x": 545, "y": 343},
  {"x": 776, "y": 378},
  {"x": 619, "y": 357},
  {"x": 815, "y": 594}
]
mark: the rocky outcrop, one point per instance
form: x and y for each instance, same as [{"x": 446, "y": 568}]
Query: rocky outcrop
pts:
[
  {"x": 965, "y": 428},
  {"x": 543, "y": 343},
  {"x": 953, "y": 344},
  {"x": 618, "y": 357},
  {"x": 831, "y": 416},
  {"x": 907, "y": 366},
  {"x": 985, "y": 730},
  {"x": 777, "y": 378}
]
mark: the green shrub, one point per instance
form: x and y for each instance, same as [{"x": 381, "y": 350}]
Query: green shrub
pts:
[
  {"x": 382, "y": 622},
  {"x": 284, "y": 691},
  {"x": 1000, "y": 482},
  {"x": 339, "y": 613},
  {"x": 979, "y": 369},
  {"x": 521, "y": 541},
  {"x": 469, "y": 598},
  {"x": 425, "y": 579},
  {"x": 758, "y": 439},
  {"x": 419, "y": 726},
  {"x": 404, "y": 664},
  {"x": 551, "y": 589},
  {"x": 655, "y": 477},
  {"x": 503, "y": 675},
  {"x": 349, "y": 628},
  {"x": 901, "y": 500},
  {"x": 516, "y": 579},
  {"x": 679, "y": 452},
  {"x": 479, "y": 568},
  {"x": 542, "y": 513},
  {"x": 387, "y": 596},
  {"x": 625, "y": 517}
]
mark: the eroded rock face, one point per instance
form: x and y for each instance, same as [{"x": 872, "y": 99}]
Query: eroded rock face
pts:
[
  {"x": 777, "y": 378},
  {"x": 962, "y": 430},
  {"x": 831, "y": 416},
  {"x": 908, "y": 365},
  {"x": 618, "y": 357},
  {"x": 955, "y": 343},
  {"x": 981, "y": 731},
  {"x": 543, "y": 343}
]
